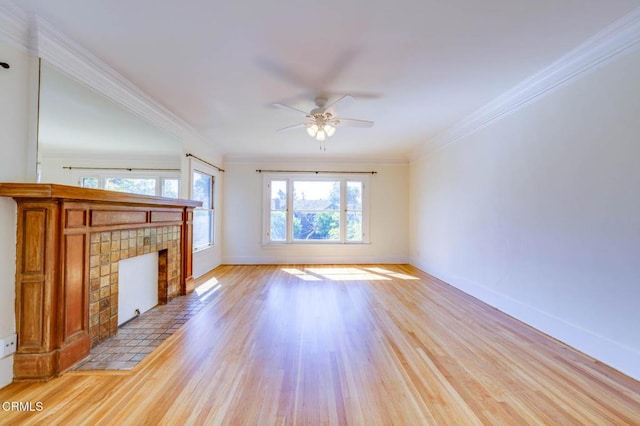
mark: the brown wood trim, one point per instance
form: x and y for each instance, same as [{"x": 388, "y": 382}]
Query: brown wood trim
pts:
[
  {"x": 166, "y": 216},
  {"x": 35, "y": 366},
  {"x": 187, "y": 282},
  {"x": 124, "y": 227},
  {"x": 73, "y": 351},
  {"x": 75, "y": 292},
  {"x": 31, "y": 320},
  {"x": 50, "y": 190},
  {"x": 75, "y": 218},
  {"x": 34, "y": 226},
  {"x": 117, "y": 217}
]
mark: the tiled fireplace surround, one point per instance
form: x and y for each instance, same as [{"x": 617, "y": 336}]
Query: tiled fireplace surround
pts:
[{"x": 106, "y": 251}]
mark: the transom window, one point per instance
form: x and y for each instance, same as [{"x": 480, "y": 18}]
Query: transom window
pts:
[
  {"x": 315, "y": 210},
  {"x": 143, "y": 184}
]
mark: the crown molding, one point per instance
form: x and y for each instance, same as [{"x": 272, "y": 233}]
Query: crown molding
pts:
[
  {"x": 15, "y": 28},
  {"x": 605, "y": 46}
]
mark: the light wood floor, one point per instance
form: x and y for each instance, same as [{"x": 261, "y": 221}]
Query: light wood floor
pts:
[{"x": 360, "y": 345}]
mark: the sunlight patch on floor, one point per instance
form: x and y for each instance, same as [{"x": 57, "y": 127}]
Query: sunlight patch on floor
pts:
[
  {"x": 347, "y": 274},
  {"x": 301, "y": 274},
  {"x": 207, "y": 288},
  {"x": 392, "y": 274}
]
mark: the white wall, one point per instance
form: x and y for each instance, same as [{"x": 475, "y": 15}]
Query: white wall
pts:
[
  {"x": 242, "y": 216},
  {"x": 15, "y": 87},
  {"x": 538, "y": 214}
]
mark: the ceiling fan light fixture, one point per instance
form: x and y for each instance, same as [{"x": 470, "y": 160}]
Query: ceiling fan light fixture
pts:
[
  {"x": 329, "y": 130},
  {"x": 320, "y": 123}
]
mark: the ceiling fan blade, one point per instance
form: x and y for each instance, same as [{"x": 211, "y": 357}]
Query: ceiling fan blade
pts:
[
  {"x": 285, "y": 106},
  {"x": 355, "y": 95},
  {"x": 287, "y": 75},
  {"x": 344, "y": 102},
  {"x": 295, "y": 126},
  {"x": 351, "y": 122}
]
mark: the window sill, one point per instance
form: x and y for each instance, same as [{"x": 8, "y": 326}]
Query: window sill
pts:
[{"x": 203, "y": 248}]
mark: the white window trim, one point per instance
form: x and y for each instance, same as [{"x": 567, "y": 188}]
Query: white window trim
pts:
[
  {"x": 197, "y": 166},
  {"x": 289, "y": 178}
]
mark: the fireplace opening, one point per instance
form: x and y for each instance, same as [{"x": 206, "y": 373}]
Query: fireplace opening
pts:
[{"x": 137, "y": 285}]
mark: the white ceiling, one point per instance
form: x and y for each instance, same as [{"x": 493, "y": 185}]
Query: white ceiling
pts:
[{"x": 416, "y": 67}]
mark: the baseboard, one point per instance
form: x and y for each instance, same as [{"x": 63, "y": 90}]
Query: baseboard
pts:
[
  {"x": 313, "y": 260},
  {"x": 601, "y": 348}
]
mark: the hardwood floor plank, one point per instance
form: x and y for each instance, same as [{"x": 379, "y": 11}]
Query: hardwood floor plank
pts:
[{"x": 336, "y": 344}]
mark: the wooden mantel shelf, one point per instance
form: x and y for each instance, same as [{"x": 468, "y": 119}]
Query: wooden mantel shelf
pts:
[
  {"x": 66, "y": 192},
  {"x": 69, "y": 241}
]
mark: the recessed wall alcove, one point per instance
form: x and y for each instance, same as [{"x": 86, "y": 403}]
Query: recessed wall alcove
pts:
[{"x": 69, "y": 241}]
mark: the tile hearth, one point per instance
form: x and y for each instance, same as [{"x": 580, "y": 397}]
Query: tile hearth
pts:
[{"x": 140, "y": 336}]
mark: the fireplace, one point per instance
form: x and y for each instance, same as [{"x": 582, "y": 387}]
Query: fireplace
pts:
[{"x": 69, "y": 242}]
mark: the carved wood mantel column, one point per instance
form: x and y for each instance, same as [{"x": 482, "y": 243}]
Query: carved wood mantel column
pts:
[{"x": 53, "y": 252}]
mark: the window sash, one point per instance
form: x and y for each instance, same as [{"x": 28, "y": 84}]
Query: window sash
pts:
[
  {"x": 278, "y": 210},
  {"x": 356, "y": 210},
  {"x": 203, "y": 217}
]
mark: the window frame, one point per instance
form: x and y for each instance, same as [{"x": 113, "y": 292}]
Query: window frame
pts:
[
  {"x": 289, "y": 178},
  {"x": 196, "y": 168}
]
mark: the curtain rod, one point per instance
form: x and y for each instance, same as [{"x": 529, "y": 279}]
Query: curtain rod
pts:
[
  {"x": 206, "y": 162},
  {"x": 316, "y": 172},
  {"x": 120, "y": 168}
]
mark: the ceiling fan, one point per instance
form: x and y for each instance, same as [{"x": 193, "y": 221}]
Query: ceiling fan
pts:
[{"x": 321, "y": 122}]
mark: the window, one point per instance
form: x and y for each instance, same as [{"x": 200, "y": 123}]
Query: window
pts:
[
  {"x": 202, "y": 190},
  {"x": 170, "y": 187},
  {"x": 316, "y": 210},
  {"x": 90, "y": 182},
  {"x": 143, "y": 186},
  {"x": 354, "y": 210},
  {"x": 308, "y": 210},
  {"x": 135, "y": 183},
  {"x": 278, "y": 210}
]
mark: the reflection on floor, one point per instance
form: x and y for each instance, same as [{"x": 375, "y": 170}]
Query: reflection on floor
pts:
[{"x": 142, "y": 335}]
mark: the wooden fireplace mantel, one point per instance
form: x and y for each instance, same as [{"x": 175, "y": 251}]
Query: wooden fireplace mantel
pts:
[{"x": 55, "y": 226}]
